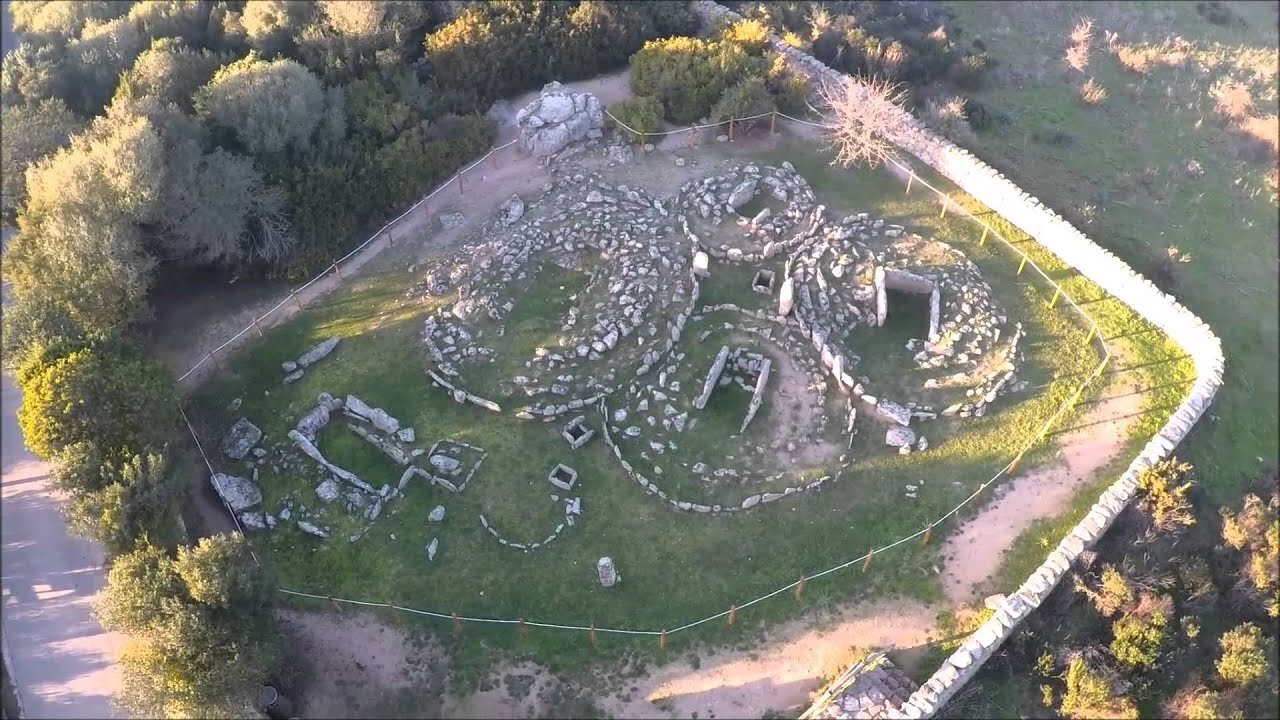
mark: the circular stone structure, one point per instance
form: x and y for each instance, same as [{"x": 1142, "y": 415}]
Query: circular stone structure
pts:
[{"x": 587, "y": 310}]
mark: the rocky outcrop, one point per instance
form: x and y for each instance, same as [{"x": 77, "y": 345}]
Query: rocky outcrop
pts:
[
  {"x": 238, "y": 493},
  {"x": 557, "y": 118},
  {"x": 240, "y": 439}
]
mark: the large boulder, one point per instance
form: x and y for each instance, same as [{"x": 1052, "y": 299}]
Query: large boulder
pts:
[
  {"x": 237, "y": 492},
  {"x": 557, "y": 118},
  {"x": 240, "y": 439},
  {"x": 380, "y": 418}
]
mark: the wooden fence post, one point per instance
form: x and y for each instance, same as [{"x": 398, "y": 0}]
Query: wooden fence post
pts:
[
  {"x": 800, "y": 588},
  {"x": 459, "y": 184},
  {"x": 927, "y": 532},
  {"x": 1056, "y": 292},
  {"x": 946, "y": 199},
  {"x": 773, "y": 121},
  {"x": 457, "y": 626},
  {"x": 1022, "y": 264},
  {"x": 983, "y": 240},
  {"x": 1093, "y": 330},
  {"x": 866, "y": 564},
  {"x": 730, "y": 131},
  {"x": 662, "y": 640},
  {"x": 910, "y": 176},
  {"x": 257, "y": 327},
  {"x": 592, "y": 635},
  {"x": 337, "y": 269},
  {"x": 391, "y": 238},
  {"x": 733, "y": 613}
]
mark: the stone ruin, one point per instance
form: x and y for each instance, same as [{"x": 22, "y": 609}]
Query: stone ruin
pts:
[
  {"x": 628, "y": 354},
  {"x": 624, "y": 344},
  {"x": 557, "y": 118}
]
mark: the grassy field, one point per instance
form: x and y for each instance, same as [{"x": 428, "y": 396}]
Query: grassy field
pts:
[
  {"x": 677, "y": 567},
  {"x": 1119, "y": 169}
]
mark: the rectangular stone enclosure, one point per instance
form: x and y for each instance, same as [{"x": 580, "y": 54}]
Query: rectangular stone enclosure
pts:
[
  {"x": 562, "y": 476},
  {"x": 763, "y": 282},
  {"x": 577, "y": 433}
]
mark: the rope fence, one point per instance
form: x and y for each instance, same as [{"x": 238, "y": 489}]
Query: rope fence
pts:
[{"x": 798, "y": 585}]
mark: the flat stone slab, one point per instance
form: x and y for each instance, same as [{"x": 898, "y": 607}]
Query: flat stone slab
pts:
[{"x": 240, "y": 439}]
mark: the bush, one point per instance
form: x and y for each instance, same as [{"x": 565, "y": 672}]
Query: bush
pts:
[
  {"x": 747, "y": 98},
  {"x": 790, "y": 88},
  {"x": 688, "y": 75},
  {"x": 751, "y": 35},
  {"x": 642, "y": 114},
  {"x": 139, "y": 500},
  {"x": 1137, "y": 640},
  {"x": 202, "y": 633},
  {"x": 1090, "y": 695},
  {"x": 1163, "y": 496},
  {"x": 1243, "y": 658},
  {"x": 104, "y": 393}
]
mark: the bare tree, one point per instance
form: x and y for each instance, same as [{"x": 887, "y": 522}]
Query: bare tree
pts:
[{"x": 862, "y": 115}]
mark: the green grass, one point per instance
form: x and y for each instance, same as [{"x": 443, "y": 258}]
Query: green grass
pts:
[
  {"x": 1128, "y": 159},
  {"x": 676, "y": 567}
]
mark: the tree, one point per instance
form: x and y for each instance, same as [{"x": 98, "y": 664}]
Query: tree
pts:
[
  {"x": 202, "y": 633},
  {"x": 270, "y": 105},
  {"x": 1243, "y": 657},
  {"x": 103, "y": 393},
  {"x": 32, "y": 73},
  {"x": 187, "y": 20},
  {"x": 98, "y": 56},
  {"x": 138, "y": 500},
  {"x": 59, "y": 21},
  {"x": 863, "y": 116},
  {"x": 169, "y": 72},
  {"x": 31, "y": 132},
  {"x": 270, "y": 26}
]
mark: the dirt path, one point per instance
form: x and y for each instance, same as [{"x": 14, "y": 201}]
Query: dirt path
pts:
[{"x": 973, "y": 553}]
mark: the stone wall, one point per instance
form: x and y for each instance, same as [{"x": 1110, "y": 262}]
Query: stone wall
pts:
[{"x": 1110, "y": 273}]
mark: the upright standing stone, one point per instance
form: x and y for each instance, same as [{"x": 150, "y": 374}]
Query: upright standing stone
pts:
[{"x": 609, "y": 575}]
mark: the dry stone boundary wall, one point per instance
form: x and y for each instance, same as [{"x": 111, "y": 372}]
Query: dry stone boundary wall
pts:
[{"x": 1110, "y": 273}]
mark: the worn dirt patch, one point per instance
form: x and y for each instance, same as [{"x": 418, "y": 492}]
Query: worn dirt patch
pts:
[
  {"x": 354, "y": 665},
  {"x": 973, "y": 554}
]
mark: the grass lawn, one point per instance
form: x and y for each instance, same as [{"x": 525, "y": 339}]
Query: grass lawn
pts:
[{"x": 676, "y": 567}]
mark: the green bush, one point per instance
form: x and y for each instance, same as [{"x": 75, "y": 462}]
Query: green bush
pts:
[
  {"x": 790, "y": 88},
  {"x": 1090, "y": 695},
  {"x": 688, "y": 75},
  {"x": 105, "y": 394},
  {"x": 747, "y": 98},
  {"x": 642, "y": 114},
  {"x": 1243, "y": 658},
  {"x": 201, "y": 629},
  {"x": 752, "y": 35},
  {"x": 1137, "y": 640},
  {"x": 139, "y": 500}
]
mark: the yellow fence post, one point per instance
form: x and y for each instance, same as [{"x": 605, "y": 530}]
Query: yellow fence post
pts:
[
  {"x": 1056, "y": 292},
  {"x": 946, "y": 199},
  {"x": 927, "y": 531},
  {"x": 1022, "y": 264},
  {"x": 910, "y": 176},
  {"x": 983, "y": 240},
  {"x": 1093, "y": 330}
]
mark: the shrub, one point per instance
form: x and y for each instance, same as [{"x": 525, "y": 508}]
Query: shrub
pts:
[
  {"x": 642, "y": 114},
  {"x": 139, "y": 500},
  {"x": 1232, "y": 99},
  {"x": 751, "y": 35},
  {"x": 1137, "y": 640},
  {"x": 947, "y": 116},
  {"x": 1113, "y": 594},
  {"x": 747, "y": 98},
  {"x": 1091, "y": 93},
  {"x": 202, "y": 633},
  {"x": 270, "y": 105},
  {"x": 688, "y": 75},
  {"x": 1243, "y": 658},
  {"x": 1090, "y": 695},
  {"x": 1163, "y": 496},
  {"x": 790, "y": 88},
  {"x": 104, "y": 393}
]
